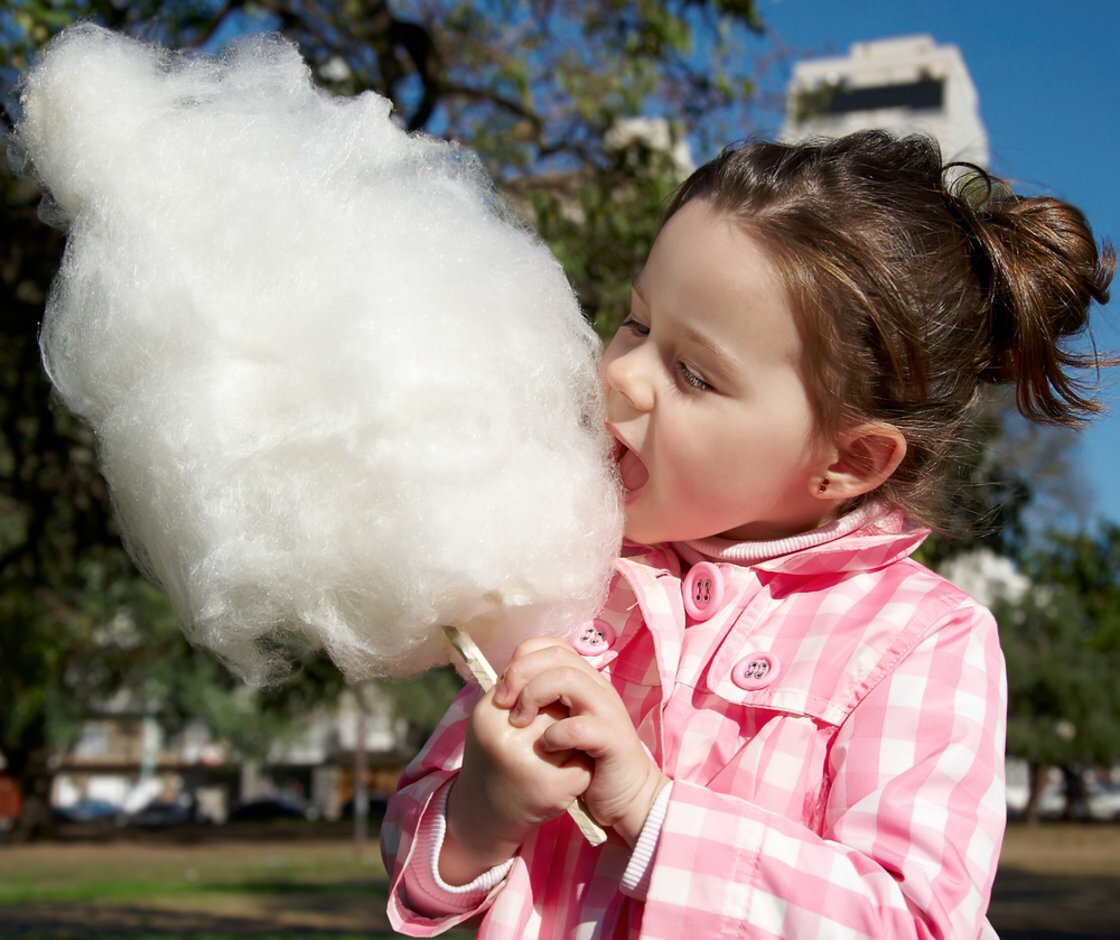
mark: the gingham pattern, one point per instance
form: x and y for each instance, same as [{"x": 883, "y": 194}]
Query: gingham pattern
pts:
[{"x": 860, "y": 795}]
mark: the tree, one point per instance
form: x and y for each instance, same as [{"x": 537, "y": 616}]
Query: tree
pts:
[
  {"x": 1018, "y": 481},
  {"x": 1018, "y": 500},
  {"x": 1062, "y": 643},
  {"x": 534, "y": 88}
]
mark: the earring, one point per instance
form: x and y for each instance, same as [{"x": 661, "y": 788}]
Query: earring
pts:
[{"x": 822, "y": 487}]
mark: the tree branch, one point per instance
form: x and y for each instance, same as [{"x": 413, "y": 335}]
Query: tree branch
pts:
[{"x": 217, "y": 20}]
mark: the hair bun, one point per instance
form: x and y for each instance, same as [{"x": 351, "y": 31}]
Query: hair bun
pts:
[{"x": 1040, "y": 270}]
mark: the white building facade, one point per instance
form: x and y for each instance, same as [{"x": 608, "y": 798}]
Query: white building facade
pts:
[{"x": 903, "y": 85}]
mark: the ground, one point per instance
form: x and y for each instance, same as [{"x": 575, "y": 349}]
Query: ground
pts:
[{"x": 1056, "y": 882}]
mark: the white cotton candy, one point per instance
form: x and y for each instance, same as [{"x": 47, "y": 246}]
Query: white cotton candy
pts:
[{"x": 339, "y": 395}]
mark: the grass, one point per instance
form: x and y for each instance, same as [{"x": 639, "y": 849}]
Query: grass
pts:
[
  {"x": 1066, "y": 849},
  {"x": 91, "y": 872},
  {"x": 1058, "y": 882},
  {"x": 209, "y": 890},
  {"x": 1055, "y": 881}
]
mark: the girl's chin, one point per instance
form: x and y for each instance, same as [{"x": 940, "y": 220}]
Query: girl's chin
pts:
[{"x": 636, "y": 528}]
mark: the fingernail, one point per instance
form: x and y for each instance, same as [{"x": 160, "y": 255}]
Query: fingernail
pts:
[
  {"x": 515, "y": 714},
  {"x": 501, "y": 690}
]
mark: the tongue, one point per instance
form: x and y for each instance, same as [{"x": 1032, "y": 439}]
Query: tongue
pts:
[{"x": 632, "y": 471}]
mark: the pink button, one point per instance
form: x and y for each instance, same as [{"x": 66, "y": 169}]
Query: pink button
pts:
[
  {"x": 593, "y": 639},
  {"x": 702, "y": 590},
  {"x": 756, "y": 671}
]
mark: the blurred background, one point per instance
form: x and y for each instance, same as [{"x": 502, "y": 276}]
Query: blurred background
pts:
[{"x": 115, "y": 732}]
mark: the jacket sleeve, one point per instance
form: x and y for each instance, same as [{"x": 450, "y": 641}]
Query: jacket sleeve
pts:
[
  {"x": 410, "y": 821},
  {"x": 912, "y": 825}
]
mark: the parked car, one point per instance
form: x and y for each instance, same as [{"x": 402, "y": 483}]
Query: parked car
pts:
[
  {"x": 89, "y": 811},
  {"x": 270, "y": 808},
  {"x": 161, "y": 813},
  {"x": 375, "y": 808},
  {"x": 1104, "y": 801},
  {"x": 1052, "y": 800}
]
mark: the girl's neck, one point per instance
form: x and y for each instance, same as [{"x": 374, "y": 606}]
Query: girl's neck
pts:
[{"x": 749, "y": 553}]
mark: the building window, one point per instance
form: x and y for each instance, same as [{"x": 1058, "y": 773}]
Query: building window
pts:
[{"x": 926, "y": 94}]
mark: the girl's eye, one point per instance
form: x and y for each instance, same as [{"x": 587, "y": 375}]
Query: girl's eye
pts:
[
  {"x": 635, "y": 326},
  {"x": 692, "y": 379}
]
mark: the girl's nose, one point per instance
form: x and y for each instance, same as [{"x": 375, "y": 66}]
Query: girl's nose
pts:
[{"x": 629, "y": 375}]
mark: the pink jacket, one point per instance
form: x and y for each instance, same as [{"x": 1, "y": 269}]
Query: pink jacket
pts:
[{"x": 833, "y": 722}]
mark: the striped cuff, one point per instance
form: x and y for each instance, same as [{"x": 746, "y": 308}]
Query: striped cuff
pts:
[
  {"x": 427, "y": 892},
  {"x": 635, "y": 880}
]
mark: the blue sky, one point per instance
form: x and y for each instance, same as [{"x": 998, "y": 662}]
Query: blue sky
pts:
[{"x": 1048, "y": 76}]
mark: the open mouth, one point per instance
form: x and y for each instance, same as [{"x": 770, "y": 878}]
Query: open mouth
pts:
[{"x": 631, "y": 471}]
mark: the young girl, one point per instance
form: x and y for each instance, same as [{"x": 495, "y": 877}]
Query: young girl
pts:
[{"x": 788, "y": 727}]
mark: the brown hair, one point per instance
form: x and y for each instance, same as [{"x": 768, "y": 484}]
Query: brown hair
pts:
[{"x": 917, "y": 285}]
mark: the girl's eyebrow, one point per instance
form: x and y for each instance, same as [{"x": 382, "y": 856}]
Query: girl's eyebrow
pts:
[{"x": 721, "y": 359}]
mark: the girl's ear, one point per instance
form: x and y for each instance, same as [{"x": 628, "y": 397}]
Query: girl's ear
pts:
[{"x": 864, "y": 457}]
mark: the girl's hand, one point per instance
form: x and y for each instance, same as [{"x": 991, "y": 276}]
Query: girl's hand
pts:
[
  {"x": 508, "y": 786},
  {"x": 547, "y": 673}
]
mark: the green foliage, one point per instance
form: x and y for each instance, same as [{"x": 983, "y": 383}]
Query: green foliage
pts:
[
  {"x": 602, "y": 234},
  {"x": 1018, "y": 481},
  {"x": 422, "y": 700},
  {"x": 1018, "y": 496},
  {"x": 1062, "y": 643}
]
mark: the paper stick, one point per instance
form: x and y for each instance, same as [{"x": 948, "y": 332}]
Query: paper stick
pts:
[{"x": 484, "y": 673}]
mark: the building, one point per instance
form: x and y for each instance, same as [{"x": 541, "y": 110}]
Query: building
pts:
[
  {"x": 908, "y": 84},
  {"x": 125, "y": 761}
]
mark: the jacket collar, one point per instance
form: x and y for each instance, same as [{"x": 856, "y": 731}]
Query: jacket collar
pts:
[{"x": 867, "y": 538}]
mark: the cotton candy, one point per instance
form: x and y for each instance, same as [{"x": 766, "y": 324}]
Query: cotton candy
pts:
[{"x": 341, "y": 396}]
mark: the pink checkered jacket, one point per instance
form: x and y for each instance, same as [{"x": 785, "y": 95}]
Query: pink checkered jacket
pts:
[{"x": 832, "y": 719}]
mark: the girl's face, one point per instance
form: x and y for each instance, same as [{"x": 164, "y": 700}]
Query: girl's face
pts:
[{"x": 705, "y": 395}]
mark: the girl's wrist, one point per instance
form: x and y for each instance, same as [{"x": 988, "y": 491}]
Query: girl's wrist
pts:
[
  {"x": 472, "y": 843},
  {"x": 630, "y": 825},
  {"x": 462, "y": 861}
]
